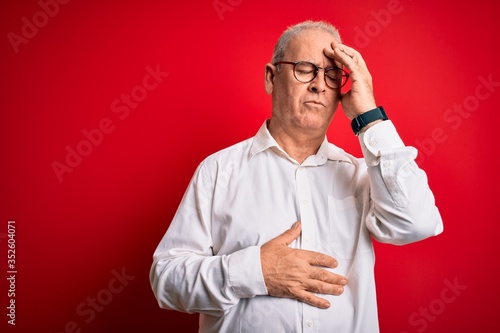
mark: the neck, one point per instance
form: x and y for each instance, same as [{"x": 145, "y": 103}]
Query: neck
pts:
[{"x": 299, "y": 144}]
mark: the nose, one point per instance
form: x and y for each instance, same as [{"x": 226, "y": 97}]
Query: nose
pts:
[{"x": 318, "y": 84}]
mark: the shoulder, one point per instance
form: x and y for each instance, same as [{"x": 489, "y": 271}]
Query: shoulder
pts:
[
  {"x": 225, "y": 158},
  {"x": 235, "y": 151}
]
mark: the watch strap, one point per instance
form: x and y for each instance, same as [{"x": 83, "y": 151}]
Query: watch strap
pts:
[{"x": 365, "y": 118}]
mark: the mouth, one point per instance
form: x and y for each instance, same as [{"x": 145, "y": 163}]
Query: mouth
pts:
[{"x": 314, "y": 102}]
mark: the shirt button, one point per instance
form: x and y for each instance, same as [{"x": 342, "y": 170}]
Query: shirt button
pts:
[
  {"x": 372, "y": 143},
  {"x": 305, "y": 201},
  {"x": 307, "y": 239},
  {"x": 387, "y": 164},
  {"x": 309, "y": 323}
]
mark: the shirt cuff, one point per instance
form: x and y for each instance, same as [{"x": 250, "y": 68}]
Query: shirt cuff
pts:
[
  {"x": 245, "y": 273},
  {"x": 379, "y": 137}
]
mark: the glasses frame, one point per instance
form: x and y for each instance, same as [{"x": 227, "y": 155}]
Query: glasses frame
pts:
[{"x": 317, "y": 68}]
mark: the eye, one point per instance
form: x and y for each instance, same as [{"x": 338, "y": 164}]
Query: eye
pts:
[
  {"x": 304, "y": 71},
  {"x": 305, "y": 67},
  {"x": 333, "y": 74}
]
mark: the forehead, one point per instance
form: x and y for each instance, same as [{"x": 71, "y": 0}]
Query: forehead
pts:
[{"x": 309, "y": 44}]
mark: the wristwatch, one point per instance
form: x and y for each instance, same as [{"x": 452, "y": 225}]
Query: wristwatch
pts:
[{"x": 365, "y": 118}]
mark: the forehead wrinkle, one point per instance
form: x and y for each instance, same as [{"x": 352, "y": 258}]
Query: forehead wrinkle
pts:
[{"x": 306, "y": 40}]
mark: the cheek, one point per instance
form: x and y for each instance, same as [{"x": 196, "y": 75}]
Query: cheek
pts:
[
  {"x": 334, "y": 96},
  {"x": 294, "y": 95},
  {"x": 336, "y": 101}
]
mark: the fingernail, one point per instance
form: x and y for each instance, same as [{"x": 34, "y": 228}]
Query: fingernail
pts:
[
  {"x": 326, "y": 304},
  {"x": 340, "y": 290},
  {"x": 343, "y": 282},
  {"x": 295, "y": 225}
]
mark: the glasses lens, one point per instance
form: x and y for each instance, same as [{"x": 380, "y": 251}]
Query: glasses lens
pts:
[
  {"x": 335, "y": 78},
  {"x": 305, "y": 71}
]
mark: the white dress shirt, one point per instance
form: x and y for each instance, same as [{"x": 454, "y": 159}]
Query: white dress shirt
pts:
[{"x": 243, "y": 196}]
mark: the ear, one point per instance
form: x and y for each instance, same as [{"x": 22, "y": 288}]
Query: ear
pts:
[{"x": 270, "y": 71}]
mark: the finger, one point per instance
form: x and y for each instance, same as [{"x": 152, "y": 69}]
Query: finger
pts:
[
  {"x": 311, "y": 299},
  {"x": 324, "y": 276},
  {"x": 290, "y": 235},
  {"x": 352, "y": 53},
  {"x": 348, "y": 56},
  {"x": 345, "y": 59},
  {"x": 340, "y": 53},
  {"x": 320, "y": 287},
  {"x": 319, "y": 259},
  {"x": 335, "y": 44},
  {"x": 329, "y": 53}
]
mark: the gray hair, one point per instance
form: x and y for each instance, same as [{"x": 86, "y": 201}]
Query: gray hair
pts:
[{"x": 294, "y": 30}]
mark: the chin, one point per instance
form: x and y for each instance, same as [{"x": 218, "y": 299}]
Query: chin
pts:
[
  {"x": 315, "y": 121},
  {"x": 314, "y": 124}
]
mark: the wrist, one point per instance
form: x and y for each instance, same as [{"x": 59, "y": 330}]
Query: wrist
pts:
[
  {"x": 369, "y": 125},
  {"x": 363, "y": 121}
]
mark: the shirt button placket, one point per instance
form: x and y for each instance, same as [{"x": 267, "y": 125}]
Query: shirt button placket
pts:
[
  {"x": 307, "y": 216},
  {"x": 305, "y": 208}
]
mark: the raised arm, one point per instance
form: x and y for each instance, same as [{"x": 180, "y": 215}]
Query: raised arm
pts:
[{"x": 403, "y": 207}]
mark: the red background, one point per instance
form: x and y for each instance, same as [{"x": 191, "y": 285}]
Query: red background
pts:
[{"x": 109, "y": 213}]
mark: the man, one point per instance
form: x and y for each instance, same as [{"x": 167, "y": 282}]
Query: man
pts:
[{"x": 234, "y": 251}]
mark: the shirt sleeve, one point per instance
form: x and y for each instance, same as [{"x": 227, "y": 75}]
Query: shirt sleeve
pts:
[
  {"x": 402, "y": 206},
  {"x": 186, "y": 275}
]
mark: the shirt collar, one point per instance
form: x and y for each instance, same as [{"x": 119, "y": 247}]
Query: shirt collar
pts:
[{"x": 263, "y": 140}]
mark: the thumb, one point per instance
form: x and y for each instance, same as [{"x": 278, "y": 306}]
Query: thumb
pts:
[{"x": 290, "y": 235}]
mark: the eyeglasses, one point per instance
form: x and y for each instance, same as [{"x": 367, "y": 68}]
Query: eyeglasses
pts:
[{"x": 305, "y": 72}]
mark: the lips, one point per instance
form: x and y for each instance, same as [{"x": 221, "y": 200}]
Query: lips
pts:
[{"x": 315, "y": 102}]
